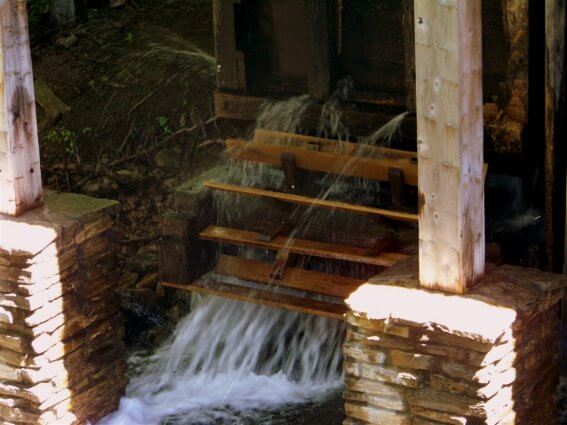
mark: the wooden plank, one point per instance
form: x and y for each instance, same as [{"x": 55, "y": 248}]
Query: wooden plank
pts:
[
  {"x": 304, "y": 200},
  {"x": 450, "y": 144},
  {"x": 301, "y": 247},
  {"x": 359, "y": 120},
  {"x": 294, "y": 278},
  {"x": 269, "y": 299},
  {"x": 348, "y": 165},
  {"x": 20, "y": 173},
  {"x": 554, "y": 165},
  {"x": 231, "y": 72},
  {"x": 320, "y": 144},
  {"x": 319, "y": 77}
]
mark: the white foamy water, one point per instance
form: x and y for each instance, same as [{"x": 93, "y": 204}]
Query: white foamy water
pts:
[{"x": 226, "y": 359}]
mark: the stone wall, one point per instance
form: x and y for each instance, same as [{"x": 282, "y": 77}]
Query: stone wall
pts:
[
  {"x": 418, "y": 357},
  {"x": 183, "y": 256},
  {"x": 62, "y": 358}
]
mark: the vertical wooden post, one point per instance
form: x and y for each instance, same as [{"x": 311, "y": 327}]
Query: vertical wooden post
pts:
[
  {"x": 409, "y": 53},
  {"x": 231, "y": 72},
  {"x": 554, "y": 66},
  {"x": 320, "y": 27},
  {"x": 450, "y": 143},
  {"x": 63, "y": 11},
  {"x": 20, "y": 174}
]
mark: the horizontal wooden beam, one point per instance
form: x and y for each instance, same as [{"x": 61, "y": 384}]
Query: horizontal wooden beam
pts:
[
  {"x": 209, "y": 286},
  {"x": 294, "y": 278},
  {"x": 340, "y": 164},
  {"x": 359, "y": 120},
  {"x": 307, "y": 201},
  {"x": 301, "y": 247},
  {"x": 321, "y": 144}
]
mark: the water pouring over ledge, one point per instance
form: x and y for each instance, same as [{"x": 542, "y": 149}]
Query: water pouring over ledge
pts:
[{"x": 228, "y": 360}]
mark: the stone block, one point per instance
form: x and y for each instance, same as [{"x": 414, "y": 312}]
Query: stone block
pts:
[{"x": 488, "y": 357}]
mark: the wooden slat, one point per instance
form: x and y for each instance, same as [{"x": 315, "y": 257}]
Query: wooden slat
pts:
[
  {"x": 299, "y": 279},
  {"x": 300, "y": 246},
  {"x": 269, "y": 299},
  {"x": 355, "y": 166},
  {"x": 450, "y": 135},
  {"x": 305, "y": 200},
  {"x": 320, "y": 144},
  {"x": 20, "y": 174}
]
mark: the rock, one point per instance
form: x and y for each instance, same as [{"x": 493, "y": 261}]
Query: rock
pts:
[
  {"x": 128, "y": 279},
  {"x": 166, "y": 158},
  {"x": 67, "y": 42},
  {"x": 148, "y": 282},
  {"x": 128, "y": 177},
  {"x": 50, "y": 104}
]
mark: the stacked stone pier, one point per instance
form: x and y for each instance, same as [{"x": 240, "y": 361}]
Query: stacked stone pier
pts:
[
  {"x": 61, "y": 335},
  {"x": 422, "y": 357}
]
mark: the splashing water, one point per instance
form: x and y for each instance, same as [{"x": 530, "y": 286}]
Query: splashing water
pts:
[{"x": 228, "y": 358}]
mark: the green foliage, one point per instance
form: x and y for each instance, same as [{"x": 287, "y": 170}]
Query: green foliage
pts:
[
  {"x": 162, "y": 122},
  {"x": 37, "y": 9},
  {"x": 63, "y": 141}
]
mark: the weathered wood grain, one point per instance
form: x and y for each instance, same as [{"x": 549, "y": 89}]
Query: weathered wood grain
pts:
[
  {"x": 450, "y": 143},
  {"x": 20, "y": 174}
]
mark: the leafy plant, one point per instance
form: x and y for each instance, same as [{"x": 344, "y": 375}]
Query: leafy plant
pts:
[
  {"x": 64, "y": 142},
  {"x": 162, "y": 122}
]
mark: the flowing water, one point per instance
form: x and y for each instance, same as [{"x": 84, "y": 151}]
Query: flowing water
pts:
[{"x": 228, "y": 360}]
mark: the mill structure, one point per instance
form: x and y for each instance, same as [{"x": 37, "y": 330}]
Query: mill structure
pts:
[{"x": 435, "y": 336}]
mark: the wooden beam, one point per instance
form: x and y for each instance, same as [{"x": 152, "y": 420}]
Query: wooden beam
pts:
[
  {"x": 301, "y": 247},
  {"x": 320, "y": 26},
  {"x": 321, "y": 144},
  {"x": 231, "y": 73},
  {"x": 450, "y": 143},
  {"x": 409, "y": 52},
  {"x": 554, "y": 165},
  {"x": 20, "y": 173},
  {"x": 294, "y": 278},
  {"x": 358, "y": 120},
  {"x": 209, "y": 286},
  {"x": 348, "y": 165},
  {"x": 305, "y": 200}
]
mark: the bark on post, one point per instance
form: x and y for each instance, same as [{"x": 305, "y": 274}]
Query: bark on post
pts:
[
  {"x": 554, "y": 67},
  {"x": 20, "y": 174},
  {"x": 450, "y": 143}
]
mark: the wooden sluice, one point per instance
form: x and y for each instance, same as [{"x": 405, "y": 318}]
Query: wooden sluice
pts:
[{"x": 283, "y": 282}]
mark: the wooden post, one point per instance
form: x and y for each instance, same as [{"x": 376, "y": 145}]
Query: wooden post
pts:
[
  {"x": 409, "y": 53},
  {"x": 319, "y": 12},
  {"x": 554, "y": 66},
  {"x": 20, "y": 174},
  {"x": 231, "y": 73},
  {"x": 450, "y": 143},
  {"x": 63, "y": 11}
]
